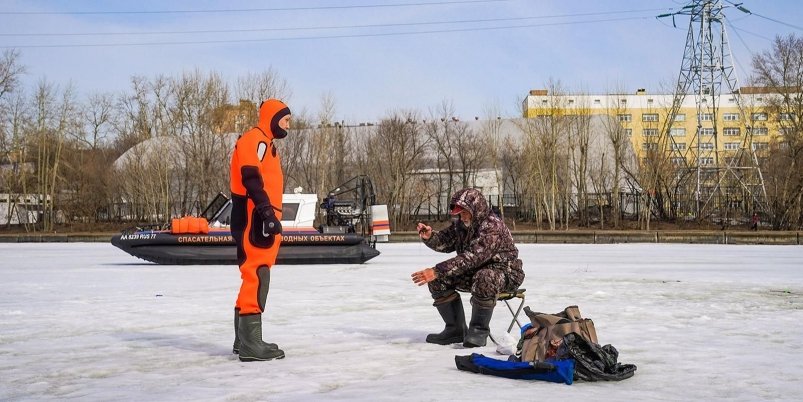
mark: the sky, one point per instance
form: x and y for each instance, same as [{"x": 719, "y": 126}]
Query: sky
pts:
[
  {"x": 86, "y": 321},
  {"x": 374, "y": 57}
]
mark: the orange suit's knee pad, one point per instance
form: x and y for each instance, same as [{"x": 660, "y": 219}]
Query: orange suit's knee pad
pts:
[{"x": 255, "y": 257}]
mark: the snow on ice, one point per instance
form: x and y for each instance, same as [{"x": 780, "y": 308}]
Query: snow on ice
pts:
[{"x": 89, "y": 322}]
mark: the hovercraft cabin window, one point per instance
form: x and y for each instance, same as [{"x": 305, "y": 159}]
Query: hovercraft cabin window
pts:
[{"x": 289, "y": 211}]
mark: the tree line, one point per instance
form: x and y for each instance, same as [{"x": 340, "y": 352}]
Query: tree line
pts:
[{"x": 161, "y": 149}]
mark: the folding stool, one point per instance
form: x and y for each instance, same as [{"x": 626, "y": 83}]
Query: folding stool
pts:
[{"x": 507, "y": 297}]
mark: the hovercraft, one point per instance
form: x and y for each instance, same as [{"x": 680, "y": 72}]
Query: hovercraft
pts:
[{"x": 349, "y": 236}]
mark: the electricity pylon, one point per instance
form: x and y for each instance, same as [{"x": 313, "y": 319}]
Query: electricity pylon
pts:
[{"x": 707, "y": 69}]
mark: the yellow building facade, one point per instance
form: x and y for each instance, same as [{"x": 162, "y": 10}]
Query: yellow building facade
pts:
[{"x": 643, "y": 117}]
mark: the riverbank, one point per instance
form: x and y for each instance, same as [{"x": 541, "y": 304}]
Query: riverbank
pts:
[{"x": 525, "y": 236}]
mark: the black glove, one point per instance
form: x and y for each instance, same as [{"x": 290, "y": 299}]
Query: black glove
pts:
[{"x": 270, "y": 224}]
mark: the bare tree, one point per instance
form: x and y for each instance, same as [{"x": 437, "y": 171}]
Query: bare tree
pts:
[
  {"x": 12, "y": 121},
  {"x": 512, "y": 164},
  {"x": 86, "y": 161},
  {"x": 256, "y": 87},
  {"x": 54, "y": 112},
  {"x": 780, "y": 71},
  {"x": 438, "y": 129},
  {"x": 491, "y": 136},
  {"x": 545, "y": 157},
  {"x": 10, "y": 72},
  {"x": 206, "y": 152},
  {"x": 337, "y": 139},
  {"x": 292, "y": 150},
  {"x": 145, "y": 172},
  {"x": 15, "y": 148},
  {"x": 618, "y": 131},
  {"x": 470, "y": 150},
  {"x": 97, "y": 115},
  {"x": 390, "y": 153},
  {"x": 578, "y": 138}
]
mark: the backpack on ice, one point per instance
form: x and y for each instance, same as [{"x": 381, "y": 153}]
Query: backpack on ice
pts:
[{"x": 567, "y": 335}]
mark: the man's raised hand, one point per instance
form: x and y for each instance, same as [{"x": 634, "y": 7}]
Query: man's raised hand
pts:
[{"x": 424, "y": 231}]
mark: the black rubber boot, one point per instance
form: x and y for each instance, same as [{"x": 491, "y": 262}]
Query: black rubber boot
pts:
[
  {"x": 262, "y": 296},
  {"x": 451, "y": 310},
  {"x": 236, "y": 348},
  {"x": 252, "y": 348},
  {"x": 479, "y": 328}
]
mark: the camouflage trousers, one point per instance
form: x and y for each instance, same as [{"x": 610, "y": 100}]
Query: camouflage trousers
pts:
[{"x": 484, "y": 283}]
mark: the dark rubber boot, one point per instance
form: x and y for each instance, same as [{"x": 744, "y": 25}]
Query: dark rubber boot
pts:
[
  {"x": 262, "y": 296},
  {"x": 252, "y": 348},
  {"x": 236, "y": 348},
  {"x": 479, "y": 328},
  {"x": 451, "y": 310}
]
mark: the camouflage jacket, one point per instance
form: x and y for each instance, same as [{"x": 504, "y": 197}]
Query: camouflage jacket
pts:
[{"x": 487, "y": 241}]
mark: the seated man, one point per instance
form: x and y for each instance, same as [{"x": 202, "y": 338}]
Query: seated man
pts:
[{"x": 486, "y": 263}]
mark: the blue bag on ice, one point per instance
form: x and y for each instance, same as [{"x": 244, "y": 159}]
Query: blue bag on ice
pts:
[{"x": 560, "y": 371}]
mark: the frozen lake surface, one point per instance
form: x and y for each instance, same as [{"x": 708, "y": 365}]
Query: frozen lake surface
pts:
[{"x": 89, "y": 322}]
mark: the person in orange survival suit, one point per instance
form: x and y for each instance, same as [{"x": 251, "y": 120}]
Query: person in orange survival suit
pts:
[{"x": 257, "y": 184}]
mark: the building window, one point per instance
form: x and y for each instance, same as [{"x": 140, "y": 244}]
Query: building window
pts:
[
  {"x": 707, "y": 161},
  {"x": 649, "y": 132},
  {"x": 680, "y": 117},
  {"x": 629, "y": 132},
  {"x": 706, "y": 146},
  {"x": 648, "y": 146},
  {"x": 786, "y": 116},
  {"x": 760, "y": 145},
  {"x": 731, "y": 131},
  {"x": 758, "y": 116},
  {"x": 678, "y": 146},
  {"x": 731, "y": 146},
  {"x": 730, "y": 117},
  {"x": 760, "y": 131},
  {"x": 677, "y": 132},
  {"x": 624, "y": 117},
  {"x": 678, "y": 161},
  {"x": 707, "y": 131},
  {"x": 649, "y": 117},
  {"x": 705, "y": 117}
]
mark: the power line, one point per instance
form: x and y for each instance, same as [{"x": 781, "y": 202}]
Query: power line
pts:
[
  {"x": 778, "y": 21},
  {"x": 381, "y": 34},
  {"x": 207, "y": 31},
  {"x": 751, "y": 33},
  {"x": 728, "y": 22},
  {"x": 249, "y": 10},
  {"x": 746, "y": 11}
]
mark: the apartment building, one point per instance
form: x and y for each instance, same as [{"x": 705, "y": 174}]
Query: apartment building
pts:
[{"x": 644, "y": 116}]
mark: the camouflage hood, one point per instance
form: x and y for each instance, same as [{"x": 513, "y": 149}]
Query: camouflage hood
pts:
[{"x": 472, "y": 200}]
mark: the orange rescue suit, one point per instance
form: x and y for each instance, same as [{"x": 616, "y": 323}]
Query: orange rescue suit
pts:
[{"x": 257, "y": 184}]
